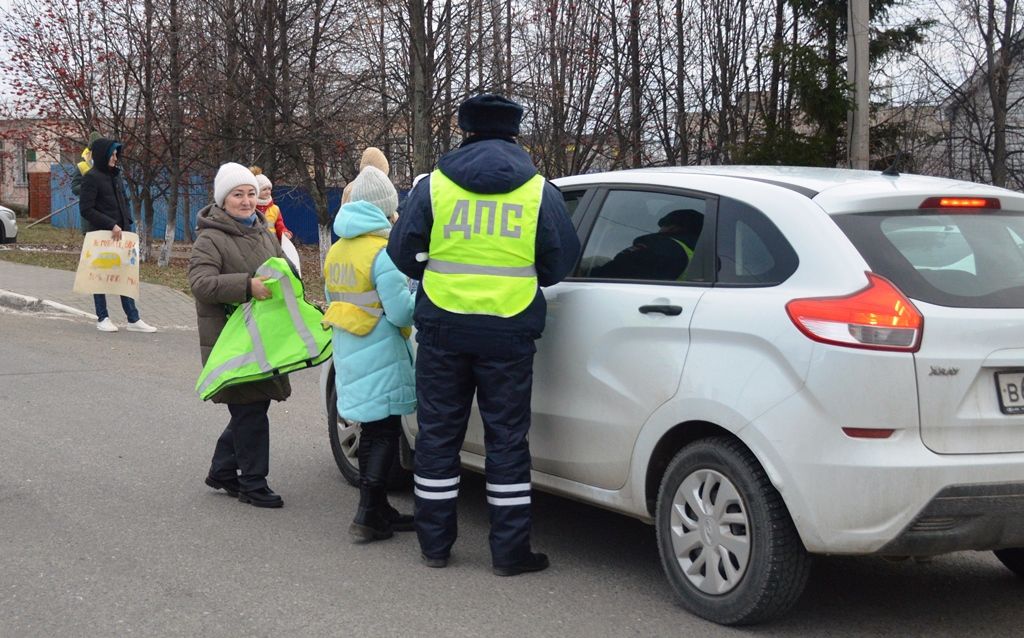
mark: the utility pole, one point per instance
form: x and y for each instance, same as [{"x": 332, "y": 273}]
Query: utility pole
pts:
[{"x": 857, "y": 75}]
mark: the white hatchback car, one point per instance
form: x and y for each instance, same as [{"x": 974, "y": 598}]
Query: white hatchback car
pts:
[
  {"x": 770, "y": 362},
  {"x": 8, "y": 226}
]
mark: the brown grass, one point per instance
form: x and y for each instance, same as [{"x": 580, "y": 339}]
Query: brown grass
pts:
[
  {"x": 60, "y": 261},
  {"x": 50, "y": 247},
  {"x": 43, "y": 234}
]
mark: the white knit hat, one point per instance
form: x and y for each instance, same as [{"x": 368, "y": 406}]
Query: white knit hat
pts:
[
  {"x": 264, "y": 182},
  {"x": 373, "y": 186},
  {"x": 229, "y": 177}
]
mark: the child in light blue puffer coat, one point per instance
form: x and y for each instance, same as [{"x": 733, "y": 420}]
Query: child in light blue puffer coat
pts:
[{"x": 370, "y": 313}]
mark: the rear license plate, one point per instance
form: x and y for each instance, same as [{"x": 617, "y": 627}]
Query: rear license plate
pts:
[{"x": 1010, "y": 387}]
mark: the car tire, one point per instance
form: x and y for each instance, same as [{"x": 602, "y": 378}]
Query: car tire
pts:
[
  {"x": 1013, "y": 558},
  {"x": 344, "y": 437},
  {"x": 766, "y": 566}
]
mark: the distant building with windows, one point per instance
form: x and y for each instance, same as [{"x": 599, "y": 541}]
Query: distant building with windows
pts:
[
  {"x": 28, "y": 147},
  {"x": 971, "y": 124}
]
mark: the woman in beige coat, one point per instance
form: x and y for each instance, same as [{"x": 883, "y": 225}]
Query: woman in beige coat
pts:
[{"x": 231, "y": 244}]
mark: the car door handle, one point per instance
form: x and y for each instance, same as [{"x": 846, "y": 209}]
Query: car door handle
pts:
[{"x": 671, "y": 311}]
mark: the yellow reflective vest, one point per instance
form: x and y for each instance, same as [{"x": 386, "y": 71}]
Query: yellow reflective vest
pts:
[
  {"x": 355, "y": 306},
  {"x": 689, "y": 257},
  {"x": 267, "y": 338},
  {"x": 482, "y": 248}
]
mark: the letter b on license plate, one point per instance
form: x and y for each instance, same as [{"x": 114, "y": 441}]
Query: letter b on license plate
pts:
[{"x": 1010, "y": 388}]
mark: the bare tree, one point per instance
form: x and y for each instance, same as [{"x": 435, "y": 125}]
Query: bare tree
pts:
[
  {"x": 973, "y": 65},
  {"x": 301, "y": 87},
  {"x": 420, "y": 86}
]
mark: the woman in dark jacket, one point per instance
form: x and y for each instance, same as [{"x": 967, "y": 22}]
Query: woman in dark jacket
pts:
[
  {"x": 104, "y": 206},
  {"x": 230, "y": 246}
]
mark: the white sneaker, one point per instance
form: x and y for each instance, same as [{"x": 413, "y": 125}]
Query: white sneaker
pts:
[
  {"x": 106, "y": 325},
  {"x": 140, "y": 326}
]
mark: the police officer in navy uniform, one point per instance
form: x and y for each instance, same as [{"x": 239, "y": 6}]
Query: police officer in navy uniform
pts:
[{"x": 483, "y": 232}]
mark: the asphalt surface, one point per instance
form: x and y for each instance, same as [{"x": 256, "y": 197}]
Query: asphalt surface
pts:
[{"x": 107, "y": 529}]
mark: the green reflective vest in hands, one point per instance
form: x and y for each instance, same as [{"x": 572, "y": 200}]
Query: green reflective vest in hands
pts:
[{"x": 267, "y": 338}]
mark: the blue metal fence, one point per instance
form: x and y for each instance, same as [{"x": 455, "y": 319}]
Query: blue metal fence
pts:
[
  {"x": 300, "y": 213},
  {"x": 295, "y": 203}
]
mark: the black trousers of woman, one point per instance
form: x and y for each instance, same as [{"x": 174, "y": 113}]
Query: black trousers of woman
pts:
[{"x": 243, "y": 449}]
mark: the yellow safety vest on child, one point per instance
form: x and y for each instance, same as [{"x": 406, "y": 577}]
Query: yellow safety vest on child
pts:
[{"x": 355, "y": 306}]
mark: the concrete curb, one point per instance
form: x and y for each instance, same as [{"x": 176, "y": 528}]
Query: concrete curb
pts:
[{"x": 25, "y": 303}]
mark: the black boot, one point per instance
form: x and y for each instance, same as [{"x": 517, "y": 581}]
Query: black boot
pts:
[
  {"x": 229, "y": 485},
  {"x": 399, "y": 522},
  {"x": 371, "y": 522},
  {"x": 534, "y": 562},
  {"x": 263, "y": 497},
  {"x": 376, "y": 457},
  {"x": 384, "y": 451}
]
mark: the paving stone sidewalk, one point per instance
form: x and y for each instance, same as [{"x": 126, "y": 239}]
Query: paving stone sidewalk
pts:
[{"x": 160, "y": 306}]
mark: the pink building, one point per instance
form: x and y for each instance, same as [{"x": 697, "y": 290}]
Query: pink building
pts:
[{"x": 27, "y": 149}]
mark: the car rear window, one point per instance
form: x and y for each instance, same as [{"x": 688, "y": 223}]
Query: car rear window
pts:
[{"x": 963, "y": 260}]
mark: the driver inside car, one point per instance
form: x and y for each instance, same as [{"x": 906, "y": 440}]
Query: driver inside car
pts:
[{"x": 660, "y": 256}]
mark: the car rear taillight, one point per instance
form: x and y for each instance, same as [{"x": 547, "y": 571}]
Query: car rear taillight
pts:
[{"x": 878, "y": 317}]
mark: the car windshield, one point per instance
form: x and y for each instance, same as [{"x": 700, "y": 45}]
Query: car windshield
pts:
[{"x": 964, "y": 260}]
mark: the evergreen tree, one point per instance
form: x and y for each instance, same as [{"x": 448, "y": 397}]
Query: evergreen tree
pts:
[{"x": 806, "y": 124}]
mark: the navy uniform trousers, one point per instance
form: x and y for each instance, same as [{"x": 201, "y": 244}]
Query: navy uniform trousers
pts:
[{"x": 501, "y": 374}]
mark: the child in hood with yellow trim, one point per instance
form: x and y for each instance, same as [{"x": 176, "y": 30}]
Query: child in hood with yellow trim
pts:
[
  {"x": 265, "y": 204},
  {"x": 370, "y": 313}
]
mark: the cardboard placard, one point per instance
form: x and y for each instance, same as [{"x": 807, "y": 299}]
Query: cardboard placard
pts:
[{"x": 108, "y": 267}]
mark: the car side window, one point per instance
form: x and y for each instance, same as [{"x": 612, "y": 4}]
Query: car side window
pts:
[
  {"x": 572, "y": 204},
  {"x": 644, "y": 236},
  {"x": 751, "y": 250}
]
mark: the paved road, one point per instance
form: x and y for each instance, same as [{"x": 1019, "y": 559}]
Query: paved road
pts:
[{"x": 106, "y": 529}]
